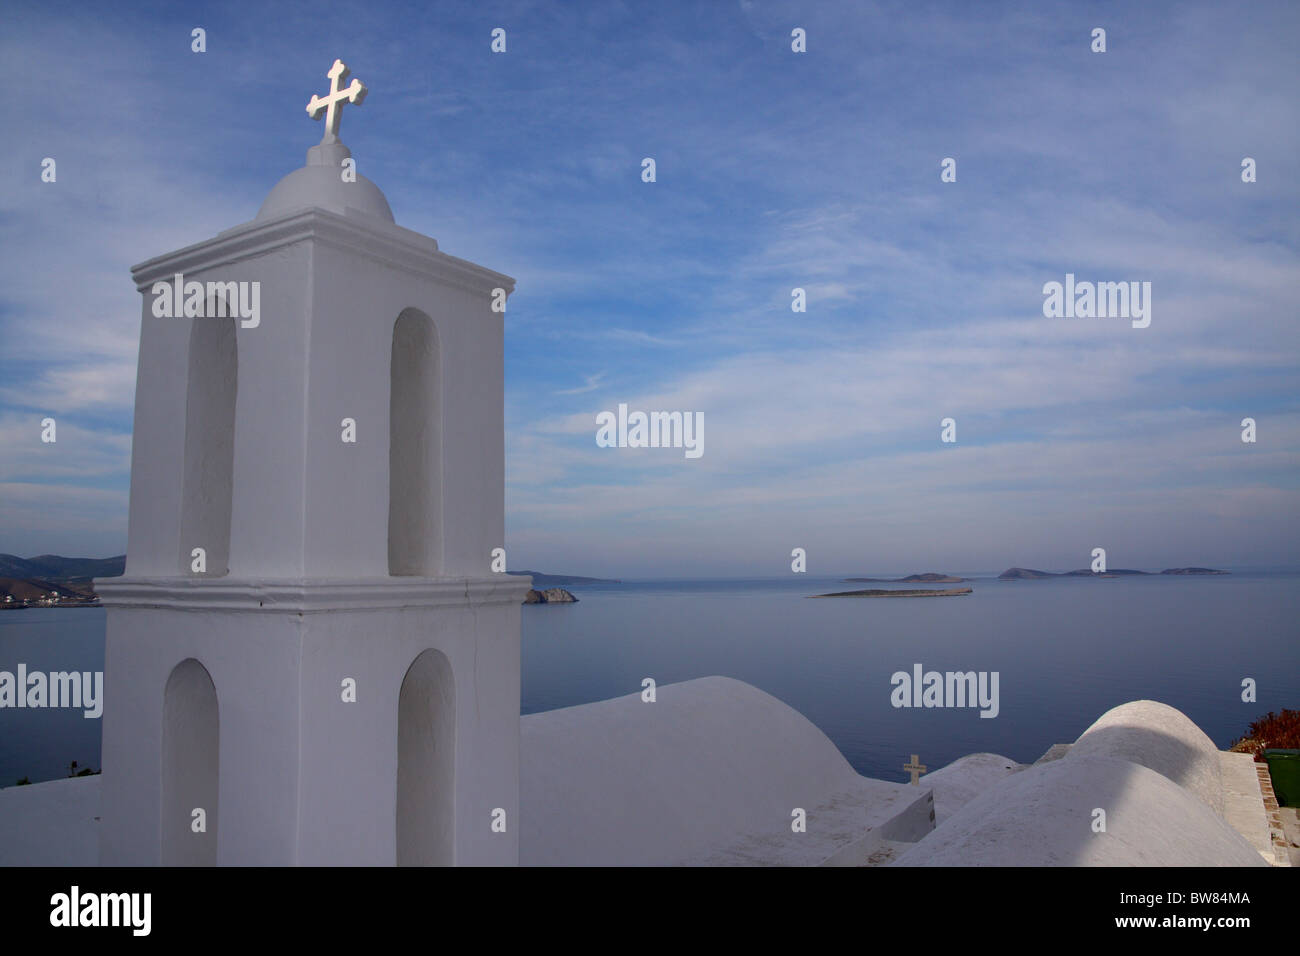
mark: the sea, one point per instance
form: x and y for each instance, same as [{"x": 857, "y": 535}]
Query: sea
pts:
[{"x": 1065, "y": 650}]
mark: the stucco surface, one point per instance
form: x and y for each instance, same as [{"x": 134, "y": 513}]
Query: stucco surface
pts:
[{"x": 51, "y": 824}]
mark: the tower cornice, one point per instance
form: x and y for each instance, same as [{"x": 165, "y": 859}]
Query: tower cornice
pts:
[
  {"x": 309, "y": 595},
  {"x": 360, "y": 235}
]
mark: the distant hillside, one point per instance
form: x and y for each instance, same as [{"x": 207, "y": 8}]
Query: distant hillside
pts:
[
  {"x": 58, "y": 568},
  {"x": 24, "y": 589},
  {"x": 543, "y": 581}
]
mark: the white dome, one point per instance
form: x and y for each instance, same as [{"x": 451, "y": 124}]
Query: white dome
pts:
[
  {"x": 320, "y": 184},
  {"x": 1160, "y": 738}
]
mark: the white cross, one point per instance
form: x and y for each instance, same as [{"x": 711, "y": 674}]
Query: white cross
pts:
[
  {"x": 915, "y": 768},
  {"x": 332, "y": 105}
]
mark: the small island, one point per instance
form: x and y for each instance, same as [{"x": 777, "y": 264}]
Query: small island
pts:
[
  {"x": 929, "y": 577},
  {"x": 1029, "y": 574},
  {"x": 896, "y": 592},
  {"x": 547, "y": 588},
  {"x": 549, "y": 596}
]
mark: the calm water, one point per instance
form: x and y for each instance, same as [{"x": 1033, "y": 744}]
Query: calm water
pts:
[
  {"x": 1066, "y": 650},
  {"x": 39, "y": 744}
]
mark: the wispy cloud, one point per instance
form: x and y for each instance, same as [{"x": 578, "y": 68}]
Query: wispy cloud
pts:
[{"x": 592, "y": 383}]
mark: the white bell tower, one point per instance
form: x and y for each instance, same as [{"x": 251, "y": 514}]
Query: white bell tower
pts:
[{"x": 309, "y": 660}]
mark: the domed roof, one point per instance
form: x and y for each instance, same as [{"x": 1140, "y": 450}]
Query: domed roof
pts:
[
  {"x": 1042, "y": 816},
  {"x": 1160, "y": 738},
  {"x": 320, "y": 184}
]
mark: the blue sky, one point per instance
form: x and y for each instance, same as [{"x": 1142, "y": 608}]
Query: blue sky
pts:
[{"x": 775, "y": 170}]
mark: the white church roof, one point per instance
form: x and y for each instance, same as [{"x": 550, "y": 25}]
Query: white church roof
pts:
[
  {"x": 1045, "y": 816},
  {"x": 1143, "y": 770},
  {"x": 964, "y": 779},
  {"x": 709, "y": 773}
]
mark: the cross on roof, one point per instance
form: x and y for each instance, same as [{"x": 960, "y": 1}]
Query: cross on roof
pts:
[
  {"x": 915, "y": 768},
  {"x": 332, "y": 104}
]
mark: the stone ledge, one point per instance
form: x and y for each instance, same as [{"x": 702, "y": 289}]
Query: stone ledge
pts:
[
  {"x": 1273, "y": 813},
  {"x": 1244, "y": 803}
]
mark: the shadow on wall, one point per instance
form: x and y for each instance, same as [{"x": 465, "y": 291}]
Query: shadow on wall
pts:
[
  {"x": 415, "y": 448},
  {"x": 426, "y": 763},
  {"x": 208, "y": 482},
  {"x": 1160, "y": 738},
  {"x": 191, "y": 749}
]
